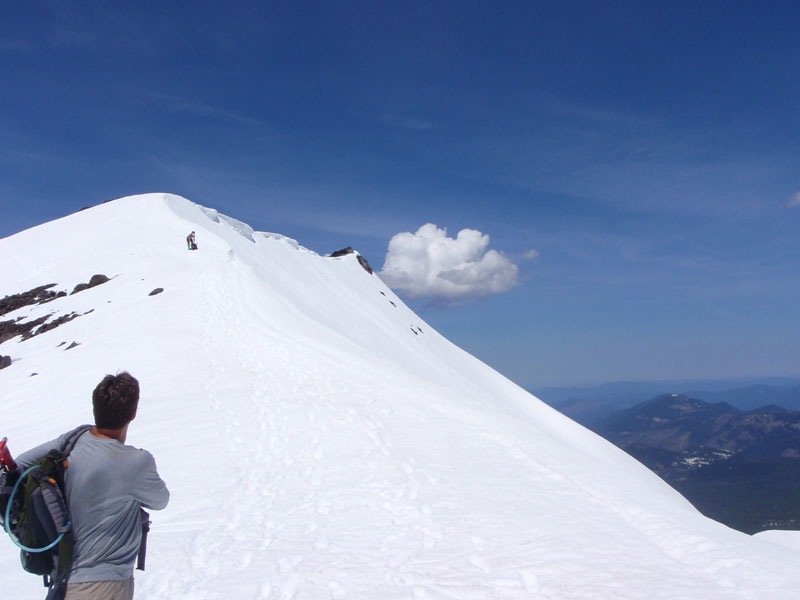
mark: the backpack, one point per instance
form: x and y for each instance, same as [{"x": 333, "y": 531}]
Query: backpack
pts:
[{"x": 34, "y": 513}]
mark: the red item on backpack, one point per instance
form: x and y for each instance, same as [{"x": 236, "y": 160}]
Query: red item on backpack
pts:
[{"x": 5, "y": 457}]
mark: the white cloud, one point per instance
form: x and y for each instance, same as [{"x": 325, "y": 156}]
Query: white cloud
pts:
[
  {"x": 430, "y": 264},
  {"x": 795, "y": 200},
  {"x": 530, "y": 254}
]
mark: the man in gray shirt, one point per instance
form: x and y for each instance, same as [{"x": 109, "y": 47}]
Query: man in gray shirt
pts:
[{"x": 106, "y": 484}]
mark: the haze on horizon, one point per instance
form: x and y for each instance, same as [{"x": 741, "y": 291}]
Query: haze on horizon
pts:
[{"x": 574, "y": 193}]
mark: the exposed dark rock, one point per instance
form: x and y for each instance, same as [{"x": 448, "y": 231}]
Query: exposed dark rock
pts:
[
  {"x": 38, "y": 295},
  {"x": 52, "y": 324},
  {"x": 94, "y": 281},
  {"x": 33, "y": 374},
  {"x": 11, "y": 329},
  {"x": 72, "y": 345},
  {"x": 156, "y": 292},
  {"x": 8, "y": 330},
  {"x": 343, "y": 252},
  {"x": 392, "y": 303},
  {"x": 382, "y": 294},
  {"x": 5, "y": 361},
  {"x": 363, "y": 262},
  {"x": 94, "y": 205},
  {"x": 414, "y": 331},
  {"x": 28, "y": 329}
]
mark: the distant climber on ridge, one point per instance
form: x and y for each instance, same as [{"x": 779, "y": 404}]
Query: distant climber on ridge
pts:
[
  {"x": 191, "y": 241},
  {"x": 107, "y": 483}
]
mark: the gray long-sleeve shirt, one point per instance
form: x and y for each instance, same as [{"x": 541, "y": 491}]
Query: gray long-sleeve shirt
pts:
[{"x": 106, "y": 483}]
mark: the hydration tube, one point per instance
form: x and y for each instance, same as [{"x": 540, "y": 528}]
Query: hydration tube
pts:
[{"x": 8, "y": 517}]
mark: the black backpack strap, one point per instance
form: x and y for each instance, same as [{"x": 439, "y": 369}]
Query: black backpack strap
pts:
[
  {"x": 144, "y": 516},
  {"x": 56, "y": 589},
  {"x": 56, "y": 582},
  {"x": 72, "y": 439}
]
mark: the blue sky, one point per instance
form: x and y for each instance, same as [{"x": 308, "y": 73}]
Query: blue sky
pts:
[{"x": 648, "y": 152}]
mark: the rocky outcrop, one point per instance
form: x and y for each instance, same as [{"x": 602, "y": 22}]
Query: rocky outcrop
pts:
[
  {"x": 28, "y": 329},
  {"x": 5, "y": 361},
  {"x": 13, "y": 328},
  {"x": 343, "y": 252},
  {"x": 93, "y": 282},
  {"x": 156, "y": 291},
  {"x": 361, "y": 260},
  {"x": 51, "y": 325},
  {"x": 38, "y": 295}
]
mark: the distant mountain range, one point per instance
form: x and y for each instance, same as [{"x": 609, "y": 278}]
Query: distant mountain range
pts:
[
  {"x": 740, "y": 467},
  {"x": 744, "y": 394},
  {"x": 676, "y": 422}
]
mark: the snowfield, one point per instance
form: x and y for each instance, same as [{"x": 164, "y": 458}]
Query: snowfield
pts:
[{"x": 321, "y": 441}]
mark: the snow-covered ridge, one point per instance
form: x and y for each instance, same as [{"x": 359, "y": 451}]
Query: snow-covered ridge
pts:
[{"x": 323, "y": 441}]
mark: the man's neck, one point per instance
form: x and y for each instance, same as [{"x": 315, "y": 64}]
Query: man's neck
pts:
[{"x": 111, "y": 434}]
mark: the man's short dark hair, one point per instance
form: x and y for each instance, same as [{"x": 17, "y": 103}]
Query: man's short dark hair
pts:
[{"x": 115, "y": 400}]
